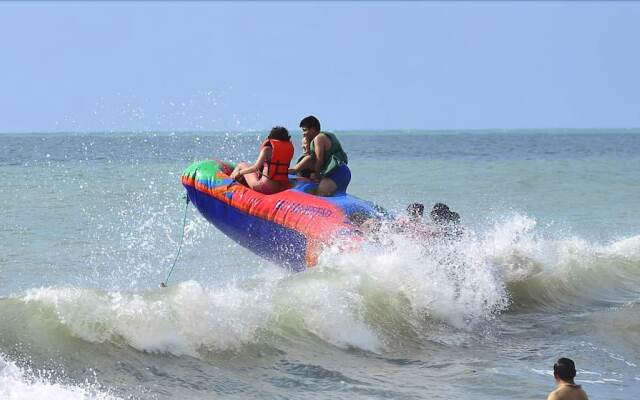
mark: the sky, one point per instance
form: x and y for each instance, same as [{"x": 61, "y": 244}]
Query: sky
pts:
[{"x": 169, "y": 66}]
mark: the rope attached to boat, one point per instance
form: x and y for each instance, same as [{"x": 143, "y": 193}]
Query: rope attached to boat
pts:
[{"x": 184, "y": 221}]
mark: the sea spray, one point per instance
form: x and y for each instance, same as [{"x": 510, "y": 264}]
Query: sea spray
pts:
[
  {"x": 17, "y": 383},
  {"x": 349, "y": 298},
  {"x": 439, "y": 280},
  {"x": 179, "y": 320},
  {"x": 556, "y": 270}
]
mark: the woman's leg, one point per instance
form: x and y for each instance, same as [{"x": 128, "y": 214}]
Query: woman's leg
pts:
[
  {"x": 253, "y": 179},
  {"x": 260, "y": 184},
  {"x": 239, "y": 166},
  {"x": 267, "y": 186}
]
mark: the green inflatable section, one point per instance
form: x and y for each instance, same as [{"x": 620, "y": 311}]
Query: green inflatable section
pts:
[{"x": 204, "y": 171}]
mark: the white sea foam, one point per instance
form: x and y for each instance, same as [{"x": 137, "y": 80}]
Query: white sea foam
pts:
[
  {"x": 444, "y": 281},
  {"x": 628, "y": 248},
  {"x": 460, "y": 282},
  {"x": 178, "y": 321},
  {"x": 19, "y": 384},
  {"x": 522, "y": 251},
  {"x": 188, "y": 318}
]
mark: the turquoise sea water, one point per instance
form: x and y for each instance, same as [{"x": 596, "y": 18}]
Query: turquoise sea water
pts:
[{"x": 90, "y": 223}]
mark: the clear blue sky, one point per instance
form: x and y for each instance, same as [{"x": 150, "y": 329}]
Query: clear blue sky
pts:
[{"x": 100, "y": 66}]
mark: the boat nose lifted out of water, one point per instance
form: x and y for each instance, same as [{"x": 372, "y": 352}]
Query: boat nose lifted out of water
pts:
[{"x": 290, "y": 228}]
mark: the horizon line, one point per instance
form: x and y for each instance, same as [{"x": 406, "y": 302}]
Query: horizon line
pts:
[{"x": 357, "y": 130}]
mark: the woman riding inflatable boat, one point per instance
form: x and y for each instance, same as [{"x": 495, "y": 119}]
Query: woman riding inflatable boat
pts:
[{"x": 269, "y": 174}]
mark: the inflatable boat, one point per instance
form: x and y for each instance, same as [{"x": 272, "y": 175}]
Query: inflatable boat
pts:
[{"x": 290, "y": 228}]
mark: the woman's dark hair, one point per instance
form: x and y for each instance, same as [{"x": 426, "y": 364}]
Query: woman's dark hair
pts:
[
  {"x": 279, "y": 133},
  {"x": 565, "y": 369},
  {"x": 310, "y": 122}
]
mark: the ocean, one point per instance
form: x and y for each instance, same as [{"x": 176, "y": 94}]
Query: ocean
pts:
[{"x": 549, "y": 267}]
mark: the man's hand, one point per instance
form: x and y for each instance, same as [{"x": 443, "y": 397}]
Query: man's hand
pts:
[{"x": 315, "y": 177}]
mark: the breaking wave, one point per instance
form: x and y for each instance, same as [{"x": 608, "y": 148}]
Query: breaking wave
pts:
[
  {"x": 17, "y": 383},
  {"x": 402, "y": 293}
]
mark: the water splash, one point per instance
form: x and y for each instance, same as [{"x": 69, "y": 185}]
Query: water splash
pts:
[{"x": 23, "y": 384}]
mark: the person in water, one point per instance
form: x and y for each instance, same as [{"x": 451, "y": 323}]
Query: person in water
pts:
[
  {"x": 444, "y": 223},
  {"x": 415, "y": 211},
  {"x": 564, "y": 371},
  {"x": 269, "y": 174},
  {"x": 412, "y": 225},
  {"x": 328, "y": 161},
  {"x": 447, "y": 221}
]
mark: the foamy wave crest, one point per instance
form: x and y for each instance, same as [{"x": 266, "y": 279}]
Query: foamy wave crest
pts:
[
  {"x": 523, "y": 251},
  {"x": 398, "y": 293},
  {"x": 512, "y": 264},
  {"x": 443, "y": 281},
  {"x": 178, "y": 321},
  {"x": 628, "y": 249},
  {"x": 546, "y": 269},
  {"x": 191, "y": 319},
  {"x": 19, "y": 384},
  {"x": 365, "y": 303}
]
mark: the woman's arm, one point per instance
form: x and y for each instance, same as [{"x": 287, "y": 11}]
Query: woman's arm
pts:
[{"x": 266, "y": 151}]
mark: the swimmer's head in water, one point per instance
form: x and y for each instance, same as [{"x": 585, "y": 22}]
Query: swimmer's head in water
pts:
[
  {"x": 565, "y": 369},
  {"x": 440, "y": 213},
  {"x": 415, "y": 210}
]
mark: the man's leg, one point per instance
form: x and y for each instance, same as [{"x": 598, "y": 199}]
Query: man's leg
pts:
[
  {"x": 337, "y": 180},
  {"x": 327, "y": 187}
]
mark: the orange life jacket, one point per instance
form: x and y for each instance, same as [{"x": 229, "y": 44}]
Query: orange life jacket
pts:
[{"x": 277, "y": 168}]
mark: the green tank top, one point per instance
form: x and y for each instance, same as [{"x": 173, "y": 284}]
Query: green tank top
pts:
[{"x": 333, "y": 158}]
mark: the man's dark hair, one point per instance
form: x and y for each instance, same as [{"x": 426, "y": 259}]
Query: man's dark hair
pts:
[
  {"x": 310, "y": 122},
  {"x": 415, "y": 210},
  {"x": 565, "y": 369},
  {"x": 279, "y": 133}
]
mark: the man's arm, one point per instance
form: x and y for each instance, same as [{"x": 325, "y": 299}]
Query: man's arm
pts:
[
  {"x": 321, "y": 142},
  {"x": 304, "y": 162}
]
